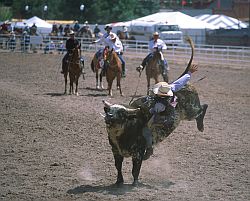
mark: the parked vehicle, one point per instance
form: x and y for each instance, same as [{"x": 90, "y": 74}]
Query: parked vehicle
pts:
[
  {"x": 169, "y": 33},
  {"x": 237, "y": 37}
]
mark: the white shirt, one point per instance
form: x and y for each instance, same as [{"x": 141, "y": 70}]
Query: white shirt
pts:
[
  {"x": 105, "y": 39},
  {"x": 158, "y": 43},
  {"x": 117, "y": 45}
]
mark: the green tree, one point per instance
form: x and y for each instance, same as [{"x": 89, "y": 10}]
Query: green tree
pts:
[
  {"x": 95, "y": 11},
  {"x": 5, "y": 13}
]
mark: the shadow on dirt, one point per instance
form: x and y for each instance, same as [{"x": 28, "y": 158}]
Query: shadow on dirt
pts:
[
  {"x": 55, "y": 94},
  {"x": 102, "y": 92},
  {"x": 111, "y": 189},
  {"x": 114, "y": 189}
]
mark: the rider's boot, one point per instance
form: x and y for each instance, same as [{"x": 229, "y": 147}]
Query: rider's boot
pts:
[
  {"x": 123, "y": 70},
  {"x": 149, "y": 141},
  {"x": 199, "y": 119}
]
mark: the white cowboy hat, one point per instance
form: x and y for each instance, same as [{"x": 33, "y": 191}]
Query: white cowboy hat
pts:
[
  {"x": 71, "y": 32},
  {"x": 162, "y": 89},
  {"x": 112, "y": 36},
  {"x": 156, "y": 34}
]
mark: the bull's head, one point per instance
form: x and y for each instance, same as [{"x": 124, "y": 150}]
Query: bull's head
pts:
[{"x": 116, "y": 114}]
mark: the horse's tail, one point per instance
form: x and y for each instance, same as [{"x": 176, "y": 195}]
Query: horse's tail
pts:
[
  {"x": 190, "y": 41},
  {"x": 92, "y": 66}
]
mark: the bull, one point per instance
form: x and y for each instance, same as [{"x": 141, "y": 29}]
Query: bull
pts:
[{"x": 125, "y": 123}]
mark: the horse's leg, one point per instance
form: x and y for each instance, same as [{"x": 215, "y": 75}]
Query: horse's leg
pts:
[
  {"x": 76, "y": 91},
  {"x": 71, "y": 86},
  {"x": 101, "y": 83},
  {"x": 65, "y": 81},
  {"x": 96, "y": 80},
  {"x": 119, "y": 84},
  {"x": 110, "y": 82}
]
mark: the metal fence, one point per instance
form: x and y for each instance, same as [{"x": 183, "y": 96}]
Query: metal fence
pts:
[{"x": 233, "y": 56}]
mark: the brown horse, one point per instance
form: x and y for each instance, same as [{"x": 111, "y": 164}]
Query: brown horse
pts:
[
  {"x": 114, "y": 70},
  {"x": 96, "y": 67},
  {"x": 154, "y": 68},
  {"x": 74, "y": 70}
]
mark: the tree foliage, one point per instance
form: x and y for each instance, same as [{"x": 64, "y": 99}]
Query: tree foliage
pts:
[
  {"x": 5, "y": 13},
  {"x": 95, "y": 11}
]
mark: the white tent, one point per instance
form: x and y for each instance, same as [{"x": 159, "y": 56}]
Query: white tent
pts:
[
  {"x": 42, "y": 26},
  {"x": 222, "y": 21},
  {"x": 189, "y": 25},
  {"x": 184, "y": 21}
]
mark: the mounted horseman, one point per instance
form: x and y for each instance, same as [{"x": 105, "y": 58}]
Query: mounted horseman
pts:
[
  {"x": 156, "y": 45},
  {"x": 71, "y": 44},
  {"x": 155, "y": 116},
  {"x": 97, "y": 62}
]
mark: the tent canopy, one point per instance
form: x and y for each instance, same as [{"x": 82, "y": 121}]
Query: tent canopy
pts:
[
  {"x": 42, "y": 26},
  {"x": 39, "y": 22},
  {"x": 222, "y": 21},
  {"x": 184, "y": 21}
]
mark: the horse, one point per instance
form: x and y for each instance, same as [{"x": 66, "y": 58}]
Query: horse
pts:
[
  {"x": 74, "y": 71},
  {"x": 85, "y": 33},
  {"x": 154, "y": 68},
  {"x": 114, "y": 70},
  {"x": 96, "y": 66}
]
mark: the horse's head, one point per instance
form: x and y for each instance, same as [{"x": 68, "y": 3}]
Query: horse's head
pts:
[
  {"x": 75, "y": 54},
  {"x": 158, "y": 52},
  {"x": 108, "y": 55}
]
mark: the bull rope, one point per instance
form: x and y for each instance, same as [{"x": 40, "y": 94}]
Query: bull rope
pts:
[
  {"x": 200, "y": 79},
  {"x": 136, "y": 88}
]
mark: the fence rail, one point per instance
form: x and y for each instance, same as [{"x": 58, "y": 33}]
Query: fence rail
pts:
[{"x": 234, "y": 56}]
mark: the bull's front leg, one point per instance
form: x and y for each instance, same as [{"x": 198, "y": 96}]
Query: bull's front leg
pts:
[
  {"x": 137, "y": 162},
  {"x": 118, "y": 165}
]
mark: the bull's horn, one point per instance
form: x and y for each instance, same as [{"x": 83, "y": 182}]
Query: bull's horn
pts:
[
  {"x": 132, "y": 111},
  {"x": 103, "y": 115},
  {"x": 106, "y": 104}
]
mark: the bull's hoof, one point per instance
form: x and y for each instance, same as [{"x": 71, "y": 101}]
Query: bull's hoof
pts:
[
  {"x": 135, "y": 183},
  {"x": 119, "y": 183}
]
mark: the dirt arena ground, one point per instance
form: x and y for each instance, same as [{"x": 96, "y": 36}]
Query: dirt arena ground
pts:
[{"x": 55, "y": 147}]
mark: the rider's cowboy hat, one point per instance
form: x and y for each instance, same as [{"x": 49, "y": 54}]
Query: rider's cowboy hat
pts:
[
  {"x": 112, "y": 36},
  {"x": 108, "y": 28},
  {"x": 162, "y": 89},
  {"x": 71, "y": 32},
  {"x": 156, "y": 34}
]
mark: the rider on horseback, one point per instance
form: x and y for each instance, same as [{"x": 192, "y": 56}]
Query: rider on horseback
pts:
[
  {"x": 71, "y": 43},
  {"x": 162, "y": 103},
  {"x": 117, "y": 46},
  {"x": 154, "y": 45},
  {"x": 105, "y": 40}
]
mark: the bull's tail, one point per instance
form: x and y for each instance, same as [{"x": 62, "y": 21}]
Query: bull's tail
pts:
[
  {"x": 92, "y": 66},
  {"x": 190, "y": 41}
]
